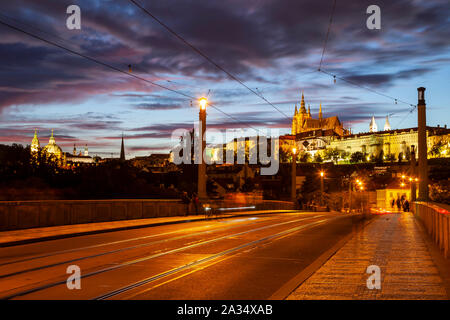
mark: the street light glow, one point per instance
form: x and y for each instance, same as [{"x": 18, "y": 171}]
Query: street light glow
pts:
[
  {"x": 321, "y": 173},
  {"x": 203, "y": 102},
  {"x": 294, "y": 150}
]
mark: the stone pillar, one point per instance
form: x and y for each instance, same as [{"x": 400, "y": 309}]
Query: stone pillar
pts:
[{"x": 422, "y": 145}]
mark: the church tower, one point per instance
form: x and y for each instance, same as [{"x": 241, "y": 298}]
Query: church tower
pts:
[
  {"x": 294, "y": 121},
  {"x": 86, "y": 152},
  {"x": 302, "y": 106},
  {"x": 122, "y": 151},
  {"x": 373, "y": 125},
  {"x": 35, "y": 145},
  {"x": 320, "y": 112},
  {"x": 387, "y": 125}
]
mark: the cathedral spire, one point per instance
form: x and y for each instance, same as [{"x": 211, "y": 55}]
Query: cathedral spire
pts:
[
  {"x": 302, "y": 105},
  {"x": 52, "y": 139},
  {"x": 309, "y": 111},
  {"x": 373, "y": 125},
  {"x": 35, "y": 146},
  {"x": 387, "y": 125},
  {"x": 296, "y": 112},
  {"x": 122, "y": 151},
  {"x": 320, "y": 111}
]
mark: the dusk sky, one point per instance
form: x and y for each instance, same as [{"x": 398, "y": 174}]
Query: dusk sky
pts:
[{"x": 272, "y": 45}]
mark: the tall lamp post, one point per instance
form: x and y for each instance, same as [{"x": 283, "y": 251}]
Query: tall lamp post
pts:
[
  {"x": 422, "y": 145},
  {"x": 201, "y": 185},
  {"x": 294, "y": 176},
  {"x": 321, "y": 187}
]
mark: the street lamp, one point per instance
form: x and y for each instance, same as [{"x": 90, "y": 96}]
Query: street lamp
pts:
[
  {"x": 294, "y": 176},
  {"x": 203, "y": 102},
  {"x": 321, "y": 187},
  {"x": 202, "y": 164}
]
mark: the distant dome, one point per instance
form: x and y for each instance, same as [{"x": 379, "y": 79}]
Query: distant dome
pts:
[{"x": 52, "y": 148}]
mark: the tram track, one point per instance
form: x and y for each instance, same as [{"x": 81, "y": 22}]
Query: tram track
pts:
[
  {"x": 153, "y": 256},
  {"x": 204, "y": 260},
  {"x": 142, "y": 245}
]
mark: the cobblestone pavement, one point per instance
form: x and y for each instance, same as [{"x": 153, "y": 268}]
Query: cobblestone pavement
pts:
[{"x": 394, "y": 243}]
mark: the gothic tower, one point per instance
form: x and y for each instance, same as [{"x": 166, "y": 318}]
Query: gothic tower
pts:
[
  {"x": 294, "y": 121},
  {"x": 387, "y": 125},
  {"x": 35, "y": 145},
  {"x": 373, "y": 125},
  {"x": 320, "y": 112},
  {"x": 122, "y": 151}
]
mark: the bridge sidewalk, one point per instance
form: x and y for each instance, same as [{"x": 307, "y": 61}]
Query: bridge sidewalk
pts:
[
  {"x": 411, "y": 268},
  {"x": 17, "y": 237}
]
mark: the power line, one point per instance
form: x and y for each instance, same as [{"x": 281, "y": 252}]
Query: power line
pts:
[
  {"x": 205, "y": 56},
  {"x": 117, "y": 69},
  {"x": 404, "y": 118},
  {"x": 328, "y": 32},
  {"x": 367, "y": 88},
  {"x": 351, "y": 82}
]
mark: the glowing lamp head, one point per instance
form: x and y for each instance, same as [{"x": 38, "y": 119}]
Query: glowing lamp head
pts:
[
  {"x": 416, "y": 179},
  {"x": 403, "y": 176},
  {"x": 294, "y": 150},
  {"x": 321, "y": 173},
  {"x": 203, "y": 102}
]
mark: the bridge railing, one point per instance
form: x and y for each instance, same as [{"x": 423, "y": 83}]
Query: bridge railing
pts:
[{"x": 436, "y": 220}]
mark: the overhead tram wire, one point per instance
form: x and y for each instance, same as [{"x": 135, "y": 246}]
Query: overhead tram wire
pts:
[
  {"x": 119, "y": 70},
  {"x": 69, "y": 44},
  {"x": 198, "y": 51},
  {"x": 328, "y": 32},
  {"x": 351, "y": 82}
]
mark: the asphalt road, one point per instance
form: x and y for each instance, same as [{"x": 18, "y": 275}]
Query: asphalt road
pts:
[{"x": 235, "y": 258}]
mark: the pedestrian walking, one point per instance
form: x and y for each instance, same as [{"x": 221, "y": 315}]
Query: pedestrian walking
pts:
[
  {"x": 196, "y": 203},
  {"x": 406, "y": 206}
]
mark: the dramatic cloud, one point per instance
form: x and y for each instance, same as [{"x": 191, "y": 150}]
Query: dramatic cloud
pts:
[{"x": 273, "y": 46}]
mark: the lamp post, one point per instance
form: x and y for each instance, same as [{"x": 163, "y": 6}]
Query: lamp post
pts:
[
  {"x": 201, "y": 186},
  {"x": 422, "y": 145},
  {"x": 321, "y": 187},
  {"x": 294, "y": 176}
]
